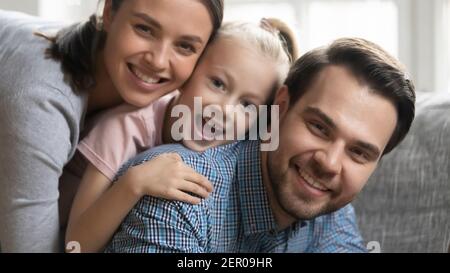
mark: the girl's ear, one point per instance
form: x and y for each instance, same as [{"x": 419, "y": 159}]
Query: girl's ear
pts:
[
  {"x": 107, "y": 15},
  {"x": 282, "y": 100}
]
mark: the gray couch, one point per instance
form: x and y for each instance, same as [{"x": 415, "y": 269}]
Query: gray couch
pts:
[{"x": 405, "y": 207}]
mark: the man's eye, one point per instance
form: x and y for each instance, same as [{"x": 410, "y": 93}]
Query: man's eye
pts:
[
  {"x": 359, "y": 155},
  {"x": 318, "y": 128}
]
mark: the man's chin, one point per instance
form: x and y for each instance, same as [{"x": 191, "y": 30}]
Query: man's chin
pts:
[
  {"x": 320, "y": 212},
  {"x": 307, "y": 215},
  {"x": 306, "y": 210}
]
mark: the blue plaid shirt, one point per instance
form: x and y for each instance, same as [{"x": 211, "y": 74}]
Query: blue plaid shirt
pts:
[{"x": 236, "y": 217}]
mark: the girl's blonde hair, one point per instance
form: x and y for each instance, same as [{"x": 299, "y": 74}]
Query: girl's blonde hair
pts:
[{"x": 272, "y": 38}]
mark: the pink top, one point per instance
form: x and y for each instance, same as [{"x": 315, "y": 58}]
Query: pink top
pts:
[{"x": 122, "y": 133}]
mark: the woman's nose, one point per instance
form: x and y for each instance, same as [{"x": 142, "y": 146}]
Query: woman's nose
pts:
[{"x": 158, "y": 58}]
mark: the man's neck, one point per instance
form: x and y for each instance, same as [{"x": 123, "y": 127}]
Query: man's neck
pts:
[{"x": 282, "y": 219}]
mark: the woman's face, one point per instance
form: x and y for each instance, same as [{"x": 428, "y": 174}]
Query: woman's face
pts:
[{"x": 153, "y": 46}]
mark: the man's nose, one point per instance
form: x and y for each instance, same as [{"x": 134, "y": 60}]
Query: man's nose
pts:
[
  {"x": 329, "y": 159},
  {"x": 158, "y": 58}
]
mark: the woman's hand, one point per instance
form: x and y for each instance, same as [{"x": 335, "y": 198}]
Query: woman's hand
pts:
[{"x": 166, "y": 176}]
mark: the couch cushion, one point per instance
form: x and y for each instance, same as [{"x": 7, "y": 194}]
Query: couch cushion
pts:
[{"x": 406, "y": 204}]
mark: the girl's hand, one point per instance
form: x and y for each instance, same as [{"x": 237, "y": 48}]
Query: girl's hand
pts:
[{"x": 166, "y": 176}]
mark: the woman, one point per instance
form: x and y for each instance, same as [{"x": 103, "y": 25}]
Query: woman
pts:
[{"x": 142, "y": 50}]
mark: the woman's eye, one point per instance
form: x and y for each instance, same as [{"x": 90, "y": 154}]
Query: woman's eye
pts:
[
  {"x": 143, "y": 29},
  {"x": 187, "y": 48}
]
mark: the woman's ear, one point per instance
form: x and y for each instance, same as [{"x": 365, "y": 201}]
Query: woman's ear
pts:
[
  {"x": 282, "y": 100},
  {"x": 107, "y": 15}
]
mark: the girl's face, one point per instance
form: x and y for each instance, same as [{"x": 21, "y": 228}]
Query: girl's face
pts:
[
  {"x": 230, "y": 74},
  {"x": 153, "y": 46}
]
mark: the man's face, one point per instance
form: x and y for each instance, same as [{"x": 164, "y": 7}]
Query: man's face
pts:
[{"x": 330, "y": 143}]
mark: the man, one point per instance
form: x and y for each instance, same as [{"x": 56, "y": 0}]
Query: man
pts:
[{"x": 342, "y": 108}]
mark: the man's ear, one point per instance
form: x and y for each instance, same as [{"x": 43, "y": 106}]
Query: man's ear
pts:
[
  {"x": 107, "y": 15},
  {"x": 282, "y": 100}
]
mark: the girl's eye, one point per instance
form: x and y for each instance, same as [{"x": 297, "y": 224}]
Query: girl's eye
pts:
[
  {"x": 218, "y": 84},
  {"x": 246, "y": 103},
  {"x": 143, "y": 29},
  {"x": 187, "y": 48}
]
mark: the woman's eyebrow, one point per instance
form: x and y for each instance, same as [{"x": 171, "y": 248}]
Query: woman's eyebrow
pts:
[
  {"x": 192, "y": 38},
  {"x": 151, "y": 21}
]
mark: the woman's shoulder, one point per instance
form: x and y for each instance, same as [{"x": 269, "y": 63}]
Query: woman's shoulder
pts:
[
  {"x": 12, "y": 22},
  {"x": 18, "y": 32},
  {"x": 25, "y": 65}
]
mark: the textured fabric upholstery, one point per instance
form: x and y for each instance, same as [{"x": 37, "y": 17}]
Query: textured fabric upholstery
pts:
[{"x": 406, "y": 204}]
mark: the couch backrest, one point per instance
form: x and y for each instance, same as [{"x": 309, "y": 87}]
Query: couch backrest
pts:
[{"x": 406, "y": 204}]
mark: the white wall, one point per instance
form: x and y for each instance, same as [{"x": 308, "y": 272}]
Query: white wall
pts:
[
  {"x": 67, "y": 10},
  {"x": 424, "y": 43},
  {"x": 28, "y": 6},
  {"x": 423, "y": 32},
  {"x": 423, "y": 36},
  {"x": 61, "y": 10}
]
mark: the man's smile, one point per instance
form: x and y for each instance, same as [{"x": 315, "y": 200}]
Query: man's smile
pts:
[{"x": 315, "y": 187}]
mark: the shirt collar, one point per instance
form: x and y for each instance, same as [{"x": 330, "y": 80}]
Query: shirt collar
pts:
[{"x": 257, "y": 216}]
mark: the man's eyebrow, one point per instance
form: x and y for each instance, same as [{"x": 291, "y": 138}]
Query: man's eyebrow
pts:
[
  {"x": 149, "y": 20},
  {"x": 370, "y": 147},
  {"x": 324, "y": 117},
  {"x": 373, "y": 149}
]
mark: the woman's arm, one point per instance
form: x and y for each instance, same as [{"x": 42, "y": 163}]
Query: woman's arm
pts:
[
  {"x": 36, "y": 138},
  {"x": 99, "y": 208}
]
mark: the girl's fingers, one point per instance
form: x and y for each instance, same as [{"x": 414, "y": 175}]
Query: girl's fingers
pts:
[
  {"x": 188, "y": 186},
  {"x": 193, "y": 176},
  {"x": 173, "y": 156},
  {"x": 187, "y": 173},
  {"x": 185, "y": 197}
]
